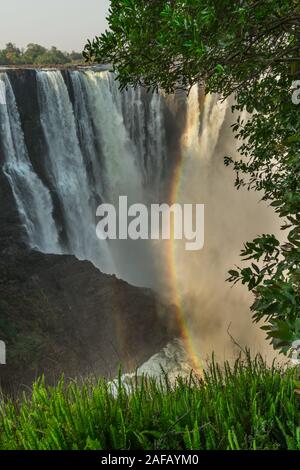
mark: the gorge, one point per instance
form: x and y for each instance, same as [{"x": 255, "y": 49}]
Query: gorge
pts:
[{"x": 69, "y": 141}]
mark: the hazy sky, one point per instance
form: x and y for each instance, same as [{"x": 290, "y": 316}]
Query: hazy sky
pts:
[{"x": 65, "y": 24}]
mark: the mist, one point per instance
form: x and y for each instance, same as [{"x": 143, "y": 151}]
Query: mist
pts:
[{"x": 217, "y": 314}]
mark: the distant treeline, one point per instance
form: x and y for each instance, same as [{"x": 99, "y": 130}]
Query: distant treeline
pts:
[{"x": 34, "y": 54}]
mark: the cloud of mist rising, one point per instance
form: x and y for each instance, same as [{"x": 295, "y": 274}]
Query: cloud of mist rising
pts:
[{"x": 232, "y": 217}]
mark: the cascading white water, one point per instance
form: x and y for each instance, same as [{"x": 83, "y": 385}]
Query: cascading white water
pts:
[
  {"x": 156, "y": 136},
  {"x": 148, "y": 132},
  {"x": 120, "y": 173},
  {"x": 89, "y": 135},
  {"x": 32, "y": 197},
  {"x": 203, "y": 128},
  {"x": 112, "y": 135},
  {"x": 67, "y": 170},
  {"x": 136, "y": 125}
]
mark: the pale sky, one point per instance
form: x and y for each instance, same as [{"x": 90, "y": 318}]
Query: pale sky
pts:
[{"x": 66, "y": 24}]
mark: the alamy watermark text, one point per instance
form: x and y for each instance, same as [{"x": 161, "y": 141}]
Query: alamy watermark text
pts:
[{"x": 161, "y": 222}]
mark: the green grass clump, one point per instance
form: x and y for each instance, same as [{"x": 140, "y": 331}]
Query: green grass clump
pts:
[{"x": 246, "y": 406}]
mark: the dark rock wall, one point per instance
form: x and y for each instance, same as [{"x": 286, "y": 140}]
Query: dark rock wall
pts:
[{"x": 60, "y": 315}]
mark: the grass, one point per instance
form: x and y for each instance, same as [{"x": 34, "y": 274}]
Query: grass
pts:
[{"x": 246, "y": 406}]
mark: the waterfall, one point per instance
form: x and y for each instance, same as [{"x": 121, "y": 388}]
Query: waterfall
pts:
[
  {"x": 203, "y": 126},
  {"x": 67, "y": 170},
  {"x": 135, "y": 121},
  {"x": 157, "y": 139},
  {"x": 146, "y": 125},
  {"x": 32, "y": 197},
  {"x": 103, "y": 105},
  {"x": 97, "y": 144},
  {"x": 89, "y": 136}
]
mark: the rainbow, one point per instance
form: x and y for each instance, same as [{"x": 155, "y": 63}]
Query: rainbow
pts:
[
  {"x": 196, "y": 104},
  {"x": 172, "y": 267}
]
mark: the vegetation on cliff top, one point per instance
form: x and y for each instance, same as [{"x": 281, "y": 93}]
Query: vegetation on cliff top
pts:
[{"x": 34, "y": 54}]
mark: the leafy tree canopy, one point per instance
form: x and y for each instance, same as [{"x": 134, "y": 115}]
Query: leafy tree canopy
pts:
[
  {"x": 251, "y": 49},
  {"x": 33, "y": 52}
]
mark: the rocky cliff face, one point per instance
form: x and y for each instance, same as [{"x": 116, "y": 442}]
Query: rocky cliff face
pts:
[
  {"x": 11, "y": 231},
  {"x": 60, "y": 315}
]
